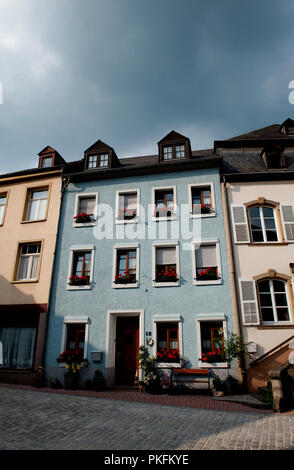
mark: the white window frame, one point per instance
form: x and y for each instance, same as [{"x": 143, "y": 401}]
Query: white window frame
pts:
[
  {"x": 168, "y": 319},
  {"x": 214, "y": 317},
  {"x": 30, "y": 256},
  {"x": 114, "y": 266},
  {"x": 264, "y": 242},
  {"x": 175, "y": 207},
  {"x": 69, "y": 321},
  {"x": 73, "y": 249},
  {"x": 121, "y": 192},
  {"x": 29, "y": 201},
  {"x": 201, "y": 185},
  {"x": 276, "y": 321},
  {"x": 2, "y": 195},
  {"x": 77, "y": 202},
  {"x": 166, "y": 244},
  {"x": 218, "y": 258}
]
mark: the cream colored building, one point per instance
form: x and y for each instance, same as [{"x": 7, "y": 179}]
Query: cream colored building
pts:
[
  {"x": 258, "y": 189},
  {"x": 29, "y": 214}
]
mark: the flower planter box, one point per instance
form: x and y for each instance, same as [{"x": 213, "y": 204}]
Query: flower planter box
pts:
[
  {"x": 166, "y": 279},
  {"x": 82, "y": 218},
  {"x": 131, "y": 279},
  {"x": 79, "y": 282}
]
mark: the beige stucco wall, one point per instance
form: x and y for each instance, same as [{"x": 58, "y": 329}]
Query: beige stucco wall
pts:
[
  {"x": 251, "y": 261},
  {"x": 14, "y": 230}
]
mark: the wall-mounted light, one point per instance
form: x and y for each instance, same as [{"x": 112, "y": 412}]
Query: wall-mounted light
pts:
[{"x": 291, "y": 265}]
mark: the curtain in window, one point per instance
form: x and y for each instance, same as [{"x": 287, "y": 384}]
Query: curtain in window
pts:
[
  {"x": 166, "y": 255},
  {"x": 17, "y": 347}
]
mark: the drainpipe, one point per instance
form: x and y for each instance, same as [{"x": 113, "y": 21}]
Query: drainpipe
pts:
[
  {"x": 231, "y": 266},
  {"x": 64, "y": 183}
]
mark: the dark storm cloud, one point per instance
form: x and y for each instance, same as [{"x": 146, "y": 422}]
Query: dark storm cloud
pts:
[{"x": 129, "y": 71}]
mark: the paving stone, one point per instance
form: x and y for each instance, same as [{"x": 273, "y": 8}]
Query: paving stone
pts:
[{"x": 34, "y": 420}]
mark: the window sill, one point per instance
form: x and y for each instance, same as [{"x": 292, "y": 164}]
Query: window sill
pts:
[
  {"x": 86, "y": 224},
  {"x": 267, "y": 244},
  {"x": 130, "y": 221},
  {"x": 165, "y": 284},
  {"x": 270, "y": 326},
  {"x": 207, "y": 283},
  {"x": 213, "y": 365},
  {"x": 33, "y": 221},
  {"x": 168, "y": 365},
  {"x": 86, "y": 287},
  {"x": 164, "y": 219},
  {"x": 125, "y": 286},
  {"x": 25, "y": 281},
  {"x": 202, "y": 216}
]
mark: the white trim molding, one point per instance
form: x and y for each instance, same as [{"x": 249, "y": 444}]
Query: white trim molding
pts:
[
  {"x": 111, "y": 318},
  {"x": 209, "y": 317},
  {"x": 133, "y": 246},
  {"x": 95, "y": 215},
  {"x": 198, "y": 244},
  {"x": 165, "y": 244},
  {"x": 175, "y": 207},
  {"x": 73, "y": 249},
  {"x": 74, "y": 320},
  {"x": 168, "y": 319},
  {"x": 120, "y": 192},
  {"x": 201, "y": 185}
]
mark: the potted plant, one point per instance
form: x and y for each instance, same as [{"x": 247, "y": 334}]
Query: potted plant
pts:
[
  {"x": 73, "y": 361},
  {"x": 233, "y": 348},
  {"x": 82, "y": 218},
  {"x": 148, "y": 366}
]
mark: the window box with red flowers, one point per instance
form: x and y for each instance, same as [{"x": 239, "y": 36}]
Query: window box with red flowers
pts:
[
  {"x": 202, "y": 209},
  {"x": 126, "y": 278},
  {"x": 207, "y": 274},
  {"x": 83, "y": 218},
  {"x": 213, "y": 356},
  {"x": 171, "y": 355},
  {"x": 169, "y": 275},
  {"x": 76, "y": 280},
  {"x": 127, "y": 214}
]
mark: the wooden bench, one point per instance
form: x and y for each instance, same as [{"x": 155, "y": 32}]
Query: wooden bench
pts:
[{"x": 179, "y": 376}]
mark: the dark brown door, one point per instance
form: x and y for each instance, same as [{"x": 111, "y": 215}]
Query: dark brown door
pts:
[{"x": 127, "y": 344}]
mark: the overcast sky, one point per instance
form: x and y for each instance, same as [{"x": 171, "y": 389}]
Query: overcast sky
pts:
[{"x": 129, "y": 71}]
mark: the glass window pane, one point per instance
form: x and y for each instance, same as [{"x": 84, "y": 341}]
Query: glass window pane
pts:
[
  {"x": 281, "y": 300},
  {"x": 265, "y": 300},
  {"x": 283, "y": 314},
  {"x": 254, "y": 212},
  {"x": 257, "y": 235},
  {"x": 23, "y": 268},
  {"x": 267, "y": 314},
  {"x": 271, "y": 236},
  {"x": 268, "y": 212},
  {"x": 264, "y": 286},
  {"x": 279, "y": 286}
]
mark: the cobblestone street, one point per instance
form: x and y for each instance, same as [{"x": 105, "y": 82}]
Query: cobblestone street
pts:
[{"x": 34, "y": 420}]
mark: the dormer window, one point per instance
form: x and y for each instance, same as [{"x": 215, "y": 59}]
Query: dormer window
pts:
[
  {"x": 173, "y": 151},
  {"x": 273, "y": 157},
  {"x": 174, "y": 146},
  {"x": 46, "y": 162},
  {"x": 98, "y": 161},
  {"x": 287, "y": 127}
]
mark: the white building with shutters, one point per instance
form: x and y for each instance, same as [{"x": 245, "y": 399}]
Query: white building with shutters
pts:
[{"x": 258, "y": 188}]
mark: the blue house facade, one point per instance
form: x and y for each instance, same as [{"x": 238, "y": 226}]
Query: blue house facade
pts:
[{"x": 141, "y": 260}]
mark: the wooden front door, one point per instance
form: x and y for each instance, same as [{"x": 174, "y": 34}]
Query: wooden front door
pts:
[{"x": 127, "y": 345}]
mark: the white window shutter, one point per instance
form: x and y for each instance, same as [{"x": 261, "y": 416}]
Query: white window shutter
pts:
[
  {"x": 248, "y": 299},
  {"x": 287, "y": 213},
  {"x": 240, "y": 225}
]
